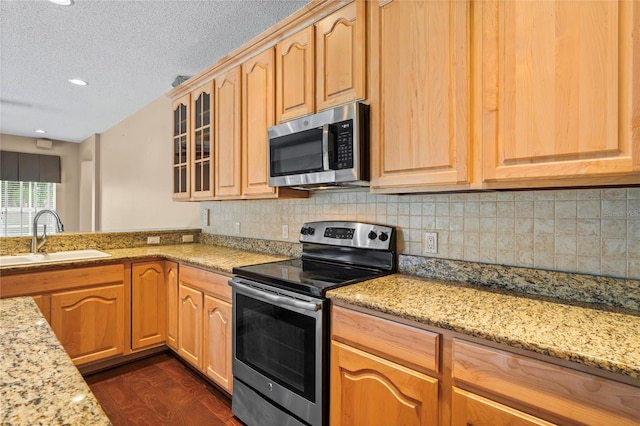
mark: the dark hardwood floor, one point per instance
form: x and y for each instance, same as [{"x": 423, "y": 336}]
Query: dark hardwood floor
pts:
[{"x": 160, "y": 390}]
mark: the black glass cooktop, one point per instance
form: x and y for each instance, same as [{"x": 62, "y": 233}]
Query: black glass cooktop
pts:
[{"x": 307, "y": 276}]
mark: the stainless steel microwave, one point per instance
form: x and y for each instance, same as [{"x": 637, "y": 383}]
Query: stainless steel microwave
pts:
[{"x": 323, "y": 150}]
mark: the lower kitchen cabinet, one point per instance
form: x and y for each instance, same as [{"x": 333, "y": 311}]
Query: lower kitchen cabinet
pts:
[
  {"x": 148, "y": 304},
  {"x": 369, "y": 390},
  {"x": 382, "y": 372},
  {"x": 86, "y": 307},
  {"x": 190, "y": 325},
  {"x": 387, "y": 372},
  {"x": 90, "y": 322},
  {"x": 218, "y": 350},
  {"x": 204, "y": 323},
  {"x": 171, "y": 277}
]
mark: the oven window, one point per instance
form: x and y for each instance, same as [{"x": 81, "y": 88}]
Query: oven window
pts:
[
  {"x": 278, "y": 343},
  {"x": 300, "y": 152}
]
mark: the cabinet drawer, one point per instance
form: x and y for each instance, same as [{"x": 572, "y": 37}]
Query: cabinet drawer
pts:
[
  {"x": 555, "y": 389},
  {"x": 402, "y": 343},
  {"x": 212, "y": 283},
  {"x": 470, "y": 409},
  {"x": 62, "y": 279}
]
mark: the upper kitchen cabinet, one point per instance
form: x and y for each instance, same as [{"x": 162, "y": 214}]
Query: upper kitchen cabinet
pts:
[
  {"x": 419, "y": 94},
  {"x": 181, "y": 148},
  {"x": 201, "y": 135},
  {"x": 561, "y": 94},
  {"x": 295, "y": 73},
  {"x": 340, "y": 56},
  {"x": 227, "y": 134},
  {"x": 258, "y": 114}
]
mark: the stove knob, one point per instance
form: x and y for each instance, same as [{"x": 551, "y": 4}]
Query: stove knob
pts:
[
  {"x": 372, "y": 235},
  {"x": 383, "y": 236},
  {"x": 307, "y": 231}
]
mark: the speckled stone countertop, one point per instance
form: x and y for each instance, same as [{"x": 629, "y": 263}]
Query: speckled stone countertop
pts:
[
  {"x": 216, "y": 258},
  {"x": 38, "y": 382},
  {"x": 604, "y": 339}
]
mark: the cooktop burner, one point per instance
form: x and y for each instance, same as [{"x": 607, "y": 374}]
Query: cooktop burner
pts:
[
  {"x": 307, "y": 276},
  {"x": 333, "y": 254}
]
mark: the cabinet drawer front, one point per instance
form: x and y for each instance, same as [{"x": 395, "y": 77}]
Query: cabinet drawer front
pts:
[
  {"x": 49, "y": 281},
  {"x": 470, "y": 409},
  {"x": 212, "y": 283},
  {"x": 557, "y": 390},
  {"x": 399, "y": 342}
]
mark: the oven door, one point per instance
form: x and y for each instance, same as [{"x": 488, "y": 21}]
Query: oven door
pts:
[{"x": 278, "y": 348}]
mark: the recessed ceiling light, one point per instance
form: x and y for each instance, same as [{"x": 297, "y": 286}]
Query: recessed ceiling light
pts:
[
  {"x": 62, "y": 2},
  {"x": 77, "y": 82},
  {"x": 41, "y": 131}
]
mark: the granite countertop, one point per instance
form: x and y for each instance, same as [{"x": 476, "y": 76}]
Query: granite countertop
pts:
[
  {"x": 38, "y": 382},
  {"x": 605, "y": 339},
  {"x": 217, "y": 258}
]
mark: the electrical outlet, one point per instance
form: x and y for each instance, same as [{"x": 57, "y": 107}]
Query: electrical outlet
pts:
[
  {"x": 430, "y": 242},
  {"x": 236, "y": 228},
  {"x": 153, "y": 240},
  {"x": 285, "y": 232},
  {"x": 205, "y": 217},
  {"x": 187, "y": 238}
]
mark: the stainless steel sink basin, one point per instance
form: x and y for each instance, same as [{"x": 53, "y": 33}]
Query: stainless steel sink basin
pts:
[{"x": 60, "y": 256}]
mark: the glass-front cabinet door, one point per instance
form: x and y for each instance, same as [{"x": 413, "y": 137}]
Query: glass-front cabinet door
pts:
[
  {"x": 202, "y": 173},
  {"x": 181, "y": 157}
]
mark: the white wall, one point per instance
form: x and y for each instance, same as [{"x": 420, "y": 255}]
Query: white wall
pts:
[
  {"x": 88, "y": 191},
  {"x": 67, "y": 191},
  {"x": 136, "y": 176}
]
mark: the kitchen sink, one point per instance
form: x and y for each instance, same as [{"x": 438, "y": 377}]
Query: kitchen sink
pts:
[{"x": 60, "y": 256}]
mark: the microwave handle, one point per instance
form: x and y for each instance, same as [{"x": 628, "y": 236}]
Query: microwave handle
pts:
[{"x": 328, "y": 145}]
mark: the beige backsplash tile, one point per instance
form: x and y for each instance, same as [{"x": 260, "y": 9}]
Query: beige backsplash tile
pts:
[{"x": 593, "y": 231}]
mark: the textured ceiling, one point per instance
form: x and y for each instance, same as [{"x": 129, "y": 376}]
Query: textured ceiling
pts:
[{"x": 129, "y": 51}]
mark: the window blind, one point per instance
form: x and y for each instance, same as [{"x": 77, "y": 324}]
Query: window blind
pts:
[{"x": 19, "y": 203}]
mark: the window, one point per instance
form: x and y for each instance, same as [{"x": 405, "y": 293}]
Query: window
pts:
[{"x": 19, "y": 203}]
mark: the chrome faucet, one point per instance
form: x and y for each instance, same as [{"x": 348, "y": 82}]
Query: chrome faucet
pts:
[{"x": 37, "y": 242}]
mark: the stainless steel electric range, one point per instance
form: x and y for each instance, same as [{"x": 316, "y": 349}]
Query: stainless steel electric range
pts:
[{"x": 281, "y": 321}]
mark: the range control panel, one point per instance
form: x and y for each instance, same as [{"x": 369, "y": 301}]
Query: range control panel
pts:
[{"x": 348, "y": 234}]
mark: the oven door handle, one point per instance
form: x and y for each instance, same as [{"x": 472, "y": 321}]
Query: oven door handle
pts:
[{"x": 281, "y": 301}]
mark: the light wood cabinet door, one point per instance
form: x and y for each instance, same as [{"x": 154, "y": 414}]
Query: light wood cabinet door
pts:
[
  {"x": 367, "y": 390},
  {"x": 171, "y": 277},
  {"x": 470, "y": 409},
  {"x": 217, "y": 341},
  {"x": 561, "y": 94},
  {"x": 181, "y": 148},
  {"x": 44, "y": 304},
  {"x": 420, "y": 70},
  {"x": 227, "y": 130},
  {"x": 90, "y": 322},
  {"x": 190, "y": 311},
  {"x": 341, "y": 56},
  {"x": 148, "y": 304},
  {"x": 201, "y": 142},
  {"x": 258, "y": 114},
  {"x": 295, "y": 74}
]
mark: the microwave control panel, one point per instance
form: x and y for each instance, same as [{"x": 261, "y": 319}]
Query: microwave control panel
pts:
[{"x": 344, "y": 145}]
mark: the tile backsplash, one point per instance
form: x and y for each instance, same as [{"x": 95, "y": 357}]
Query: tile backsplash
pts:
[{"x": 592, "y": 231}]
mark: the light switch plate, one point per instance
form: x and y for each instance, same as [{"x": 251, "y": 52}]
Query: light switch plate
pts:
[
  {"x": 187, "y": 238},
  {"x": 236, "y": 228},
  {"x": 285, "y": 232}
]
